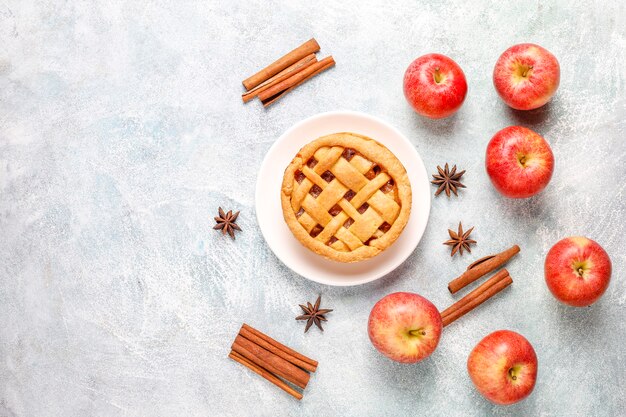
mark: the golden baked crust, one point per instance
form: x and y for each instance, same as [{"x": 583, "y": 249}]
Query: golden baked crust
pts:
[{"x": 346, "y": 197}]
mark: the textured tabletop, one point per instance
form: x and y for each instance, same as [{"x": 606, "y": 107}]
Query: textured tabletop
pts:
[{"x": 122, "y": 131}]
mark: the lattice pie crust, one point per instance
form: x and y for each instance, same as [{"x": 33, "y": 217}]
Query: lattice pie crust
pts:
[{"x": 346, "y": 197}]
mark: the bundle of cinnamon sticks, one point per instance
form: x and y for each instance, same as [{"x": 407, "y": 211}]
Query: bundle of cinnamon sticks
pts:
[
  {"x": 280, "y": 365},
  {"x": 499, "y": 281},
  {"x": 283, "y": 75}
]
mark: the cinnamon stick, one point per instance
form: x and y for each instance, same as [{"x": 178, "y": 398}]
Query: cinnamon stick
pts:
[
  {"x": 271, "y": 362},
  {"x": 278, "y": 349},
  {"x": 488, "y": 289},
  {"x": 275, "y": 92},
  {"x": 265, "y": 374},
  {"x": 309, "y": 47},
  {"x": 490, "y": 282},
  {"x": 481, "y": 267},
  {"x": 284, "y": 74}
]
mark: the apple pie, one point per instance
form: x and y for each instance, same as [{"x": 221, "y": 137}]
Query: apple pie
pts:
[{"x": 346, "y": 197}]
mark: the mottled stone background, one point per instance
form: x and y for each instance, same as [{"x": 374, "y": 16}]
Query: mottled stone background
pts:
[{"x": 122, "y": 130}]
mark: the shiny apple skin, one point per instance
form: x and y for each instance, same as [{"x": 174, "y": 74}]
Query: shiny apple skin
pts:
[
  {"x": 526, "y": 76},
  {"x": 509, "y": 175},
  {"x": 392, "y": 320},
  {"x": 427, "y": 96},
  {"x": 503, "y": 367},
  {"x": 577, "y": 271}
]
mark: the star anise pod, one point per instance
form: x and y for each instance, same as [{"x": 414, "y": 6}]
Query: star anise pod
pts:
[
  {"x": 448, "y": 180},
  {"x": 226, "y": 222},
  {"x": 313, "y": 314},
  {"x": 460, "y": 240}
]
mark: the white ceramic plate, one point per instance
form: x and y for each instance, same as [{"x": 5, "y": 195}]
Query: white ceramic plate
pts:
[{"x": 269, "y": 212}]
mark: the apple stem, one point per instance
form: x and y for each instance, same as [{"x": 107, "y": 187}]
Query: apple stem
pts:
[
  {"x": 580, "y": 271},
  {"x": 437, "y": 75},
  {"x": 525, "y": 73},
  {"x": 513, "y": 377},
  {"x": 418, "y": 332}
]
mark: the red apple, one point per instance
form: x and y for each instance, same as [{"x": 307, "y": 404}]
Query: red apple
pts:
[
  {"x": 435, "y": 86},
  {"x": 526, "y": 76},
  {"x": 519, "y": 162},
  {"x": 578, "y": 271},
  {"x": 404, "y": 327},
  {"x": 503, "y": 367}
]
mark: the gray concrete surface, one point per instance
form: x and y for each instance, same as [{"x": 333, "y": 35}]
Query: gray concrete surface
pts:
[{"x": 122, "y": 131}]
